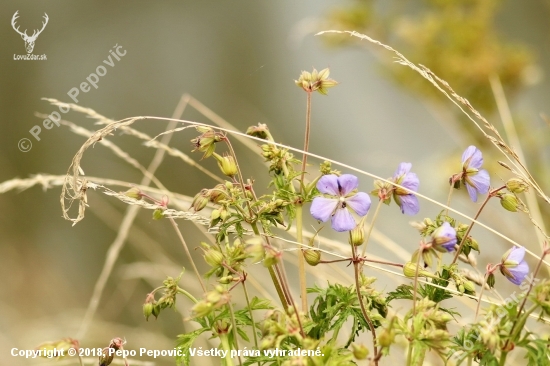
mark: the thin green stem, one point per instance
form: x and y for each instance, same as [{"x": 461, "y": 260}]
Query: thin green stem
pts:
[
  {"x": 239, "y": 174},
  {"x": 362, "y": 305},
  {"x": 489, "y": 196},
  {"x": 306, "y": 138},
  {"x": 282, "y": 297},
  {"x": 451, "y": 189},
  {"x": 251, "y": 316},
  {"x": 235, "y": 333},
  {"x": 301, "y": 258},
  {"x": 481, "y": 294},
  {"x": 187, "y": 294},
  {"x": 420, "y": 250},
  {"x": 178, "y": 232},
  {"x": 371, "y": 226}
]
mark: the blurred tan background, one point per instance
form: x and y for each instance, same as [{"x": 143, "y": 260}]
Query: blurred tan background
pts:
[{"x": 239, "y": 58}]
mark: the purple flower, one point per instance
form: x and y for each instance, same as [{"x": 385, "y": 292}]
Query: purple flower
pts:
[
  {"x": 476, "y": 180},
  {"x": 407, "y": 201},
  {"x": 444, "y": 237},
  {"x": 513, "y": 266},
  {"x": 341, "y": 197}
]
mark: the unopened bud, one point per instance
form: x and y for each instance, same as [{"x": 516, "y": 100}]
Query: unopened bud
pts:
[
  {"x": 200, "y": 200},
  {"x": 312, "y": 256},
  {"x": 226, "y": 164},
  {"x": 386, "y": 338},
  {"x": 260, "y": 131},
  {"x": 469, "y": 286},
  {"x": 134, "y": 193},
  {"x": 158, "y": 214},
  {"x": 357, "y": 236},
  {"x": 510, "y": 202},
  {"x": 213, "y": 257},
  {"x": 360, "y": 352},
  {"x": 516, "y": 185},
  {"x": 147, "y": 310},
  {"x": 410, "y": 270}
]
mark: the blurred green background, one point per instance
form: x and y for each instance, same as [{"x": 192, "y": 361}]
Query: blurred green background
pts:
[{"x": 238, "y": 58}]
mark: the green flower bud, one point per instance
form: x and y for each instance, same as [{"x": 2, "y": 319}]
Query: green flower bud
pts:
[
  {"x": 147, "y": 310},
  {"x": 260, "y": 131},
  {"x": 133, "y": 192},
  {"x": 271, "y": 257},
  {"x": 517, "y": 185},
  {"x": 385, "y": 338},
  {"x": 409, "y": 270},
  {"x": 491, "y": 280},
  {"x": 469, "y": 286},
  {"x": 357, "y": 236},
  {"x": 226, "y": 280},
  {"x": 202, "y": 309},
  {"x": 213, "y": 257},
  {"x": 510, "y": 202},
  {"x": 226, "y": 164},
  {"x": 312, "y": 256},
  {"x": 360, "y": 352},
  {"x": 158, "y": 214},
  {"x": 200, "y": 200},
  {"x": 156, "y": 310}
]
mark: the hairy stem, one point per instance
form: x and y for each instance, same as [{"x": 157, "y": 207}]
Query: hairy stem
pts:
[
  {"x": 251, "y": 316},
  {"x": 356, "y": 269},
  {"x": 306, "y": 137},
  {"x": 301, "y": 258},
  {"x": 489, "y": 196},
  {"x": 371, "y": 226}
]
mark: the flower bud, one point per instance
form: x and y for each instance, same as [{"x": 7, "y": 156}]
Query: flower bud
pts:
[
  {"x": 517, "y": 185},
  {"x": 158, "y": 214},
  {"x": 357, "y": 236},
  {"x": 385, "y": 338},
  {"x": 226, "y": 280},
  {"x": 510, "y": 202},
  {"x": 106, "y": 357},
  {"x": 410, "y": 269},
  {"x": 260, "y": 131},
  {"x": 491, "y": 280},
  {"x": 444, "y": 237},
  {"x": 227, "y": 164},
  {"x": 312, "y": 256},
  {"x": 360, "y": 352},
  {"x": 156, "y": 310},
  {"x": 213, "y": 257},
  {"x": 134, "y": 193},
  {"x": 200, "y": 200},
  {"x": 147, "y": 310},
  {"x": 202, "y": 309},
  {"x": 469, "y": 286}
]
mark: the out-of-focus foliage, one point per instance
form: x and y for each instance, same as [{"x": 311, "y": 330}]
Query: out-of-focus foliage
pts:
[{"x": 456, "y": 39}]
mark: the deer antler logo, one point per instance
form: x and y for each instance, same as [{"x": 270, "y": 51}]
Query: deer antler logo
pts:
[{"x": 29, "y": 41}]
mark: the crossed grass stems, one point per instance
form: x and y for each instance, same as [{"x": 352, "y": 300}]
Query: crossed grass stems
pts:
[{"x": 75, "y": 185}]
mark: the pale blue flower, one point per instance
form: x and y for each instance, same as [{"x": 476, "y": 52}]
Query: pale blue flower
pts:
[{"x": 339, "y": 198}]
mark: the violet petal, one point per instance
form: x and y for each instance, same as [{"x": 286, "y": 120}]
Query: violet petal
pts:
[
  {"x": 359, "y": 203},
  {"x": 322, "y": 208}
]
